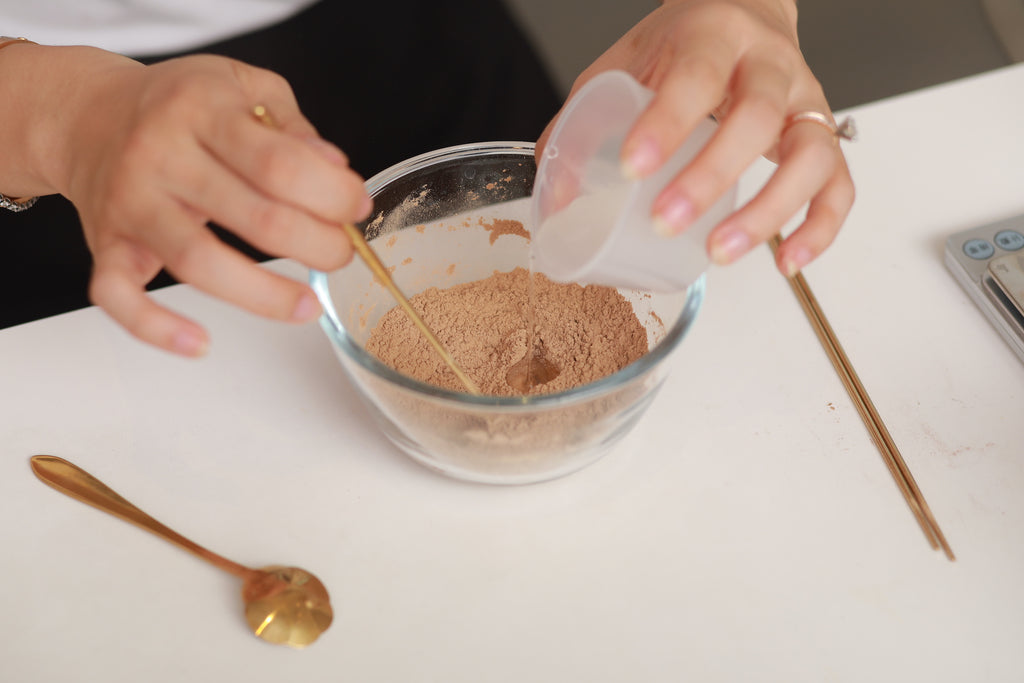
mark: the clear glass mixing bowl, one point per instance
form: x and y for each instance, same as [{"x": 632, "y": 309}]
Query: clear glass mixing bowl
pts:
[{"x": 430, "y": 226}]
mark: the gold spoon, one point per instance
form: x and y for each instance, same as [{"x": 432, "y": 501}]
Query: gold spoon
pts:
[{"x": 283, "y": 605}]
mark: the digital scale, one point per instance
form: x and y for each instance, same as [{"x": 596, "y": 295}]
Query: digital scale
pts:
[{"x": 988, "y": 261}]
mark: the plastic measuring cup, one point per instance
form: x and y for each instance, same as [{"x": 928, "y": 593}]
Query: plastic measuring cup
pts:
[{"x": 591, "y": 223}]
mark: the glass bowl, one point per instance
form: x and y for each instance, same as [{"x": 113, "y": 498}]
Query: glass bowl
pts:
[{"x": 433, "y": 226}]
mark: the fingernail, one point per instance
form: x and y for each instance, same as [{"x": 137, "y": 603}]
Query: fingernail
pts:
[
  {"x": 329, "y": 151},
  {"x": 729, "y": 246},
  {"x": 794, "y": 260},
  {"x": 673, "y": 216},
  {"x": 365, "y": 207},
  {"x": 642, "y": 159},
  {"x": 189, "y": 342},
  {"x": 306, "y": 309}
]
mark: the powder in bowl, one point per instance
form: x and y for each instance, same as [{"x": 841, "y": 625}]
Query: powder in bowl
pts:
[{"x": 586, "y": 332}]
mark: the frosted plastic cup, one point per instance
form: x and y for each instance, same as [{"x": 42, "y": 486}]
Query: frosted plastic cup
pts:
[{"x": 591, "y": 223}]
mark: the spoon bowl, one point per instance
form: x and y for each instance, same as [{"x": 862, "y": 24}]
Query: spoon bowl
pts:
[
  {"x": 286, "y": 605},
  {"x": 283, "y": 605}
]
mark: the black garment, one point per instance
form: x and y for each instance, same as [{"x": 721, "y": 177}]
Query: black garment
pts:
[{"x": 384, "y": 81}]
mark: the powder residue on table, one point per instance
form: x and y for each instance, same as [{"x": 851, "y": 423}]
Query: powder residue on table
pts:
[{"x": 587, "y": 332}]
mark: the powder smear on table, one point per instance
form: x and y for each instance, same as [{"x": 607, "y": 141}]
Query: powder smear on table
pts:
[{"x": 588, "y": 332}]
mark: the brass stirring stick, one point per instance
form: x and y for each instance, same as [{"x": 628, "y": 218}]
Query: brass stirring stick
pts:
[
  {"x": 872, "y": 420},
  {"x": 373, "y": 262}
]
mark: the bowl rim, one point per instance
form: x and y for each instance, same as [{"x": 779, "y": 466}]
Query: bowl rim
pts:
[{"x": 336, "y": 332}]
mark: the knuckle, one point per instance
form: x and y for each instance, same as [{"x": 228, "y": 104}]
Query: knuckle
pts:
[
  {"x": 846, "y": 195},
  {"x": 707, "y": 182},
  {"x": 269, "y": 222},
  {"x": 107, "y": 292},
  {"x": 259, "y": 79},
  {"x": 763, "y": 106},
  {"x": 702, "y": 71},
  {"x": 337, "y": 256},
  {"x": 143, "y": 323},
  {"x": 100, "y": 288},
  {"x": 732, "y": 16},
  {"x": 725, "y": 17},
  {"x": 821, "y": 153},
  {"x": 713, "y": 14},
  {"x": 275, "y": 166},
  {"x": 282, "y": 231},
  {"x": 343, "y": 256},
  {"x": 272, "y": 297},
  {"x": 830, "y": 216},
  {"x": 273, "y": 81},
  {"x": 187, "y": 260}
]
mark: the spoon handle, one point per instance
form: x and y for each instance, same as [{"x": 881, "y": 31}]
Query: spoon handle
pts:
[{"x": 75, "y": 482}]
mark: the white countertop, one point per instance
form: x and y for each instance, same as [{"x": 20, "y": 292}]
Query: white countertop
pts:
[{"x": 747, "y": 529}]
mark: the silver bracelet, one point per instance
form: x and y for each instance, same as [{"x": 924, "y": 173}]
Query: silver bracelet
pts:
[{"x": 17, "y": 204}]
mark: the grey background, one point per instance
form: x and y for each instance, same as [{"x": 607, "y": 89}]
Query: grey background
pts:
[{"x": 861, "y": 50}]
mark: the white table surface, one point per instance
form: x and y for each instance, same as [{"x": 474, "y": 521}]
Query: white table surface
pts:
[{"x": 746, "y": 530}]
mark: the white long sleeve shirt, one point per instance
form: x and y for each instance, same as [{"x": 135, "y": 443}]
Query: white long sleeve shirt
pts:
[{"x": 140, "y": 27}]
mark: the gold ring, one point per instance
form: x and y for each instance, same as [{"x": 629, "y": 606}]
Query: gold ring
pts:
[
  {"x": 845, "y": 130},
  {"x": 262, "y": 114}
]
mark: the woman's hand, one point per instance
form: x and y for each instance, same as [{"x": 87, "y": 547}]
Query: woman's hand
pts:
[
  {"x": 154, "y": 153},
  {"x": 739, "y": 60}
]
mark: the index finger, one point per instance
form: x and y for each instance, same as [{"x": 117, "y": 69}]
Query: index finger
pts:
[
  {"x": 290, "y": 164},
  {"x": 692, "y": 86}
]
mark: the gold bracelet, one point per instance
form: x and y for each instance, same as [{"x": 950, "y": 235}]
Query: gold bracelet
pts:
[
  {"x": 7, "y": 40},
  {"x": 15, "y": 203}
]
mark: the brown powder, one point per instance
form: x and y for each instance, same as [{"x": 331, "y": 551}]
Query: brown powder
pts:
[
  {"x": 504, "y": 226},
  {"x": 397, "y": 217},
  {"x": 587, "y": 332}
]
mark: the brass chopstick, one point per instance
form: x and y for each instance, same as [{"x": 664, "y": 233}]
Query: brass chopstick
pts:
[
  {"x": 373, "y": 262},
  {"x": 866, "y": 408}
]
